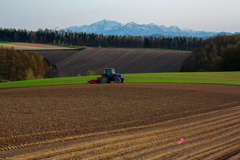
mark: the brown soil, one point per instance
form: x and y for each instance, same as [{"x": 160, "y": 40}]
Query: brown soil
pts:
[
  {"x": 124, "y": 61},
  {"x": 125, "y": 121},
  {"x": 56, "y": 56},
  {"x": 31, "y": 46}
]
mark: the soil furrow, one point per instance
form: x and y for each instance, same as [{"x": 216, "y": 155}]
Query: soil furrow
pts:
[
  {"x": 197, "y": 126},
  {"x": 172, "y": 145},
  {"x": 141, "y": 142},
  {"x": 18, "y": 136},
  {"x": 119, "y": 121},
  {"x": 177, "y": 150},
  {"x": 129, "y": 137}
]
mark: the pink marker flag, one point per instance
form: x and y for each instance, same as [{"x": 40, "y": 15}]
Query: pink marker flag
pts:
[{"x": 181, "y": 140}]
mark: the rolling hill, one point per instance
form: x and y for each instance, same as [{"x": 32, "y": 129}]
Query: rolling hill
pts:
[
  {"x": 56, "y": 56},
  {"x": 123, "y": 60}
]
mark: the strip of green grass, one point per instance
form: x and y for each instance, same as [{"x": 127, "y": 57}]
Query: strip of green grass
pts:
[
  {"x": 46, "y": 82},
  {"x": 187, "y": 77},
  {"x": 6, "y": 42},
  {"x": 170, "y": 77},
  {"x": 67, "y": 45}
]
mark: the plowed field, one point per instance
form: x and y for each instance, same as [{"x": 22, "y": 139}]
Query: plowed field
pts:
[
  {"x": 126, "y": 121},
  {"x": 31, "y": 46},
  {"x": 56, "y": 56},
  {"x": 124, "y": 61}
]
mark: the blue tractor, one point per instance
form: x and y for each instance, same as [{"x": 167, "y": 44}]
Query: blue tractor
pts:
[{"x": 109, "y": 75}]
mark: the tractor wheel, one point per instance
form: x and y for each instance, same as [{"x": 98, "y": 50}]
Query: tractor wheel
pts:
[
  {"x": 117, "y": 80},
  {"x": 104, "y": 79}
]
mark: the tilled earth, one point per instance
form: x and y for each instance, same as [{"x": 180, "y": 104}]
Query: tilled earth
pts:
[{"x": 126, "y": 121}]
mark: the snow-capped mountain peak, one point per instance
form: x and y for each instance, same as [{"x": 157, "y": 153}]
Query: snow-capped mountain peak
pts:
[{"x": 107, "y": 27}]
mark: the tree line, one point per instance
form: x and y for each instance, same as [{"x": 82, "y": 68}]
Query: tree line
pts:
[
  {"x": 96, "y": 40},
  {"x": 219, "y": 53},
  {"x": 18, "y": 65}
]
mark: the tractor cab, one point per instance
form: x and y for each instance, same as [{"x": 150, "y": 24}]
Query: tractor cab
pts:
[
  {"x": 109, "y": 71},
  {"x": 110, "y": 75}
]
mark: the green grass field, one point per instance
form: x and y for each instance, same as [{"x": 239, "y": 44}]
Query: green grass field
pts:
[
  {"x": 6, "y": 42},
  {"x": 170, "y": 77}
]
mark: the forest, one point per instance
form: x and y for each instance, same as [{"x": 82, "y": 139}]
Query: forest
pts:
[
  {"x": 18, "y": 65},
  {"x": 94, "y": 40},
  {"x": 219, "y": 53}
]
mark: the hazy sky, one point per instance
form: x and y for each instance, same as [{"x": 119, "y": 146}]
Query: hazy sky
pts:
[{"x": 206, "y": 15}]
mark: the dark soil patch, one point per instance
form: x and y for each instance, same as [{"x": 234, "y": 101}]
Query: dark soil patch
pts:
[{"x": 124, "y": 61}]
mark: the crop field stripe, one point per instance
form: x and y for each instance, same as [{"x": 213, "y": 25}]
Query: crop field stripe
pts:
[
  {"x": 193, "y": 133},
  {"x": 157, "y": 64},
  {"x": 159, "y": 131},
  {"x": 119, "y": 130},
  {"x": 139, "y": 143},
  {"x": 128, "y": 148},
  {"x": 72, "y": 58},
  {"x": 168, "y": 61},
  {"x": 157, "y": 55},
  {"x": 135, "y": 59},
  {"x": 165, "y": 115},
  {"x": 120, "y": 58},
  {"x": 74, "y": 129},
  {"x": 226, "y": 143},
  {"x": 232, "y": 155},
  {"x": 121, "y": 62},
  {"x": 179, "y": 61},
  {"x": 99, "y": 59},
  {"x": 176, "y": 154},
  {"x": 235, "y": 150},
  {"x": 153, "y": 149},
  {"x": 69, "y": 57},
  {"x": 112, "y": 56}
]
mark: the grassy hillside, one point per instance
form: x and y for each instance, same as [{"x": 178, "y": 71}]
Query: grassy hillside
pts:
[{"x": 188, "y": 77}]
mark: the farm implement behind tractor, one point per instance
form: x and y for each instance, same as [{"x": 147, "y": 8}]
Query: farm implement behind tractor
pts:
[
  {"x": 94, "y": 81},
  {"x": 108, "y": 76}
]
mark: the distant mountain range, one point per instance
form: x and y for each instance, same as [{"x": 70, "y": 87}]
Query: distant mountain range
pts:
[{"x": 107, "y": 27}]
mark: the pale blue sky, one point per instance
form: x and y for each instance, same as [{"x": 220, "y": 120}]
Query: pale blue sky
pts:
[{"x": 206, "y": 15}]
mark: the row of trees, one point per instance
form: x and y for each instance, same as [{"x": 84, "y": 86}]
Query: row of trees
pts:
[
  {"x": 18, "y": 65},
  {"x": 220, "y": 53},
  {"x": 95, "y": 40}
]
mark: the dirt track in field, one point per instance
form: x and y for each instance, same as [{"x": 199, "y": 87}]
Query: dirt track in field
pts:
[
  {"x": 124, "y": 60},
  {"x": 126, "y": 121},
  {"x": 31, "y": 46}
]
